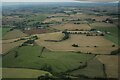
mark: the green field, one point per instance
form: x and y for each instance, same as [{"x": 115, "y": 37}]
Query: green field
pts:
[
  {"x": 113, "y": 36},
  {"x": 23, "y": 73},
  {"x": 93, "y": 69},
  {"x": 54, "y": 62},
  {"x": 4, "y": 30}
]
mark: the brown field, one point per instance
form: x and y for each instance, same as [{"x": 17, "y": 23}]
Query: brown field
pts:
[
  {"x": 51, "y": 36},
  {"x": 104, "y": 46},
  {"x": 53, "y": 19},
  {"x": 14, "y": 34},
  {"x": 111, "y": 64},
  {"x": 37, "y": 31},
  {"x": 70, "y": 26},
  {"x": 10, "y": 44}
]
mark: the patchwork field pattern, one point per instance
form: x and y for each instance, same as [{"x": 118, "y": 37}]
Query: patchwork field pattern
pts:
[{"x": 86, "y": 44}]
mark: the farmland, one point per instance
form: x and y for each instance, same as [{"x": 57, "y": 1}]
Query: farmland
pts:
[
  {"x": 14, "y": 34},
  {"x": 70, "y": 26},
  {"x": 66, "y": 40},
  {"x": 103, "y": 46},
  {"x": 11, "y": 72}
]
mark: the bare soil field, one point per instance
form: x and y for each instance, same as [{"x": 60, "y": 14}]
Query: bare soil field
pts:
[
  {"x": 111, "y": 64},
  {"x": 70, "y": 26},
  {"x": 14, "y": 34},
  {"x": 86, "y": 44},
  {"x": 51, "y": 36}
]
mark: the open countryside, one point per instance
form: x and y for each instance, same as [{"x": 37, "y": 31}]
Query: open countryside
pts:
[{"x": 65, "y": 41}]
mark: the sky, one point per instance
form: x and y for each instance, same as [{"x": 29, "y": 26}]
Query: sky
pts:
[
  {"x": 56, "y": 0},
  {"x": 37, "y": 0}
]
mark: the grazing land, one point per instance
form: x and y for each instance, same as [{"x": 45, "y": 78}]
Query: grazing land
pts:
[
  {"x": 22, "y": 73},
  {"x": 14, "y": 34}
]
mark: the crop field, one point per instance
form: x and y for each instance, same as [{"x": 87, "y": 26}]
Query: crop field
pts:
[
  {"x": 70, "y": 26},
  {"x": 14, "y": 34},
  {"x": 111, "y": 63},
  {"x": 37, "y": 31},
  {"x": 22, "y": 73},
  {"x": 7, "y": 45},
  {"x": 51, "y": 36},
  {"x": 103, "y": 46}
]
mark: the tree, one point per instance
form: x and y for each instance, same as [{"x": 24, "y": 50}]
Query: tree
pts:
[
  {"x": 47, "y": 67},
  {"x": 45, "y": 77},
  {"x": 41, "y": 51},
  {"x": 16, "y": 54},
  {"x": 113, "y": 45},
  {"x": 74, "y": 45}
]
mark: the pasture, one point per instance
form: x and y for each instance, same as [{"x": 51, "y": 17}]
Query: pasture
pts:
[
  {"x": 86, "y": 44},
  {"x": 5, "y": 30},
  {"x": 94, "y": 69},
  {"x": 23, "y": 73},
  {"x": 51, "y": 61},
  {"x": 113, "y": 29},
  {"x": 14, "y": 34}
]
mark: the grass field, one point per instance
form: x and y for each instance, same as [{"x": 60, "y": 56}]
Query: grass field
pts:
[
  {"x": 28, "y": 57},
  {"x": 4, "y": 30},
  {"x": 109, "y": 28},
  {"x": 14, "y": 34},
  {"x": 94, "y": 69},
  {"x": 22, "y": 73},
  {"x": 104, "y": 45},
  {"x": 111, "y": 64}
]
